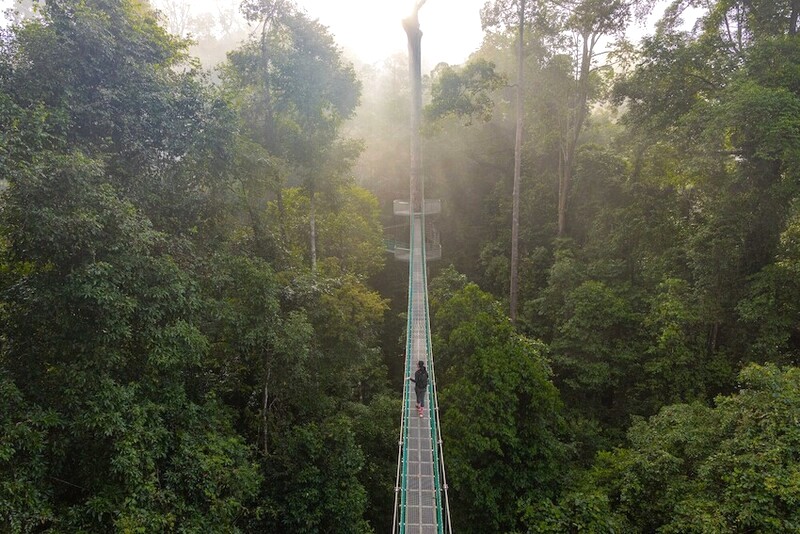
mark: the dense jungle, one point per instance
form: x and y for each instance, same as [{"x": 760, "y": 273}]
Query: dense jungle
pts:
[{"x": 201, "y": 330}]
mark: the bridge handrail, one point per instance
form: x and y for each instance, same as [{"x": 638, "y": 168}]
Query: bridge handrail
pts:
[
  {"x": 434, "y": 402},
  {"x": 403, "y": 448},
  {"x": 433, "y": 420}
]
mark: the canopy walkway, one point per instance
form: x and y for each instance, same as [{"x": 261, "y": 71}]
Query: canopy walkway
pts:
[{"x": 421, "y": 503}]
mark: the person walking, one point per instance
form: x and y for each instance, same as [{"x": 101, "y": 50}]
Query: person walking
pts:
[{"x": 420, "y": 386}]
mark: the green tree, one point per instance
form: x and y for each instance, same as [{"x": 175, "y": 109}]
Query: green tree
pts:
[
  {"x": 464, "y": 92},
  {"x": 587, "y": 22},
  {"x": 154, "y": 374},
  {"x": 296, "y": 91},
  {"x": 117, "y": 85},
  {"x": 500, "y": 13},
  {"x": 350, "y": 238},
  {"x": 113, "y": 357},
  {"x": 594, "y": 352},
  {"x": 501, "y": 418},
  {"x": 375, "y": 427},
  {"x": 294, "y": 356},
  {"x": 312, "y": 484},
  {"x": 672, "y": 371},
  {"x": 729, "y": 468},
  {"x": 715, "y": 114},
  {"x": 769, "y": 310}
]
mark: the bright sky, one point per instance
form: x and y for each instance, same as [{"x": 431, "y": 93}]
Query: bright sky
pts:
[
  {"x": 451, "y": 28},
  {"x": 372, "y": 29}
]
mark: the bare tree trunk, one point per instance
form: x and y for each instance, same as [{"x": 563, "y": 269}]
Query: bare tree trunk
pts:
[
  {"x": 563, "y": 182},
  {"x": 256, "y": 223},
  {"x": 514, "y": 290},
  {"x": 574, "y": 126},
  {"x": 282, "y": 215},
  {"x": 712, "y": 338},
  {"x": 793, "y": 17},
  {"x": 269, "y": 123},
  {"x": 264, "y": 409},
  {"x": 312, "y": 220},
  {"x": 411, "y": 27}
]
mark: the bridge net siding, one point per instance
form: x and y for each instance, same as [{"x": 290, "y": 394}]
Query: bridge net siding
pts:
[{"x": 420, "y": 496}]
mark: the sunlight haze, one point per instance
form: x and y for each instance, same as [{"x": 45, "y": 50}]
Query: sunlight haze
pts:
[
  {"x": 371, "y": 30},
  {"x": 451, "y": 28}
]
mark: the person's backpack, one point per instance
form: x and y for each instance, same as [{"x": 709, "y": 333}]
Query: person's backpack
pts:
[{"x": 422, "y": 381}]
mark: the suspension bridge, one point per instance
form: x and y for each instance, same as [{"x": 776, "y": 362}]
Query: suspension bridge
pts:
[{"x": 421, "y": 500}]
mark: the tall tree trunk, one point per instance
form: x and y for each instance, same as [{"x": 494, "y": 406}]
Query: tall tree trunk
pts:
[
  {"x": 256, "y": 224},
  {"x": 712, "y": 338},
  {"x": 563, "y": 181},
  {"x": 514, "y": 289},
  {"x": 264, "y": 410},
  {"x": 282, "y": 216},
  {"x": 411, "y": 27},
  {"x": 269, "y": 126},
  {"x": 312, "y": 221},
  {"x": 574, "y": 125}
]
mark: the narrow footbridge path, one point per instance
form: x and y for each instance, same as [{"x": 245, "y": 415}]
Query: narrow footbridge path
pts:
[{"x": 421, "y": 504}]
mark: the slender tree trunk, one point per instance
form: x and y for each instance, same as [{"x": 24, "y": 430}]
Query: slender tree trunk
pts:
[
  {"x": 282, "y": 215},
  {"x": 577, "y": 116},
  {"x": 255, "y": 222},
  {"x": 177, "y": 16},
  {"x": 269, "y": 120},
  {"x": 264, "y": 409},
  {"x": 514, "y": 290},
  {"x": 312, "y": 220},
  {"x": 563, "y": 183},
  {"x": 712, "y": 338},
  {"x": 793, "y": 17},
  {"x": 411, "y": 27},
  {"x": 269, "y": 124}
]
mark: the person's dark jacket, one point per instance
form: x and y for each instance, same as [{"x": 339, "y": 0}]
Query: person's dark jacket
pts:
[{"x": 420, "y": 378}]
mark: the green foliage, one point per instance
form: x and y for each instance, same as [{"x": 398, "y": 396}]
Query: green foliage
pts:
[
  {"x": 769, "y": 309},
  {"x": 294, "y": 91},
  {"x": 671, "y": 364},
  {"x": 464, "y": 92},
  {"x": 23, "y": 466},
  {"x": 313, "y": 484},
  {"x": 724, "y": 469},
  {"x": 575, "y": 512},
  {"x": 155, "y": 375},
  {"x": 350, "y": 231},
  {"x": 442, "y": 288},
  {"x": 591, "y": 349},
  {"x": 112, "y": 352},
  {"x": 500, "y": 413},
  {"x": 116, "y": 84},
  {"x": 374, "y": 427},
  {"x": 349, "y": 240},
  {"x": 599, "y": 191},
  {"x": 303, "y": 116}
]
